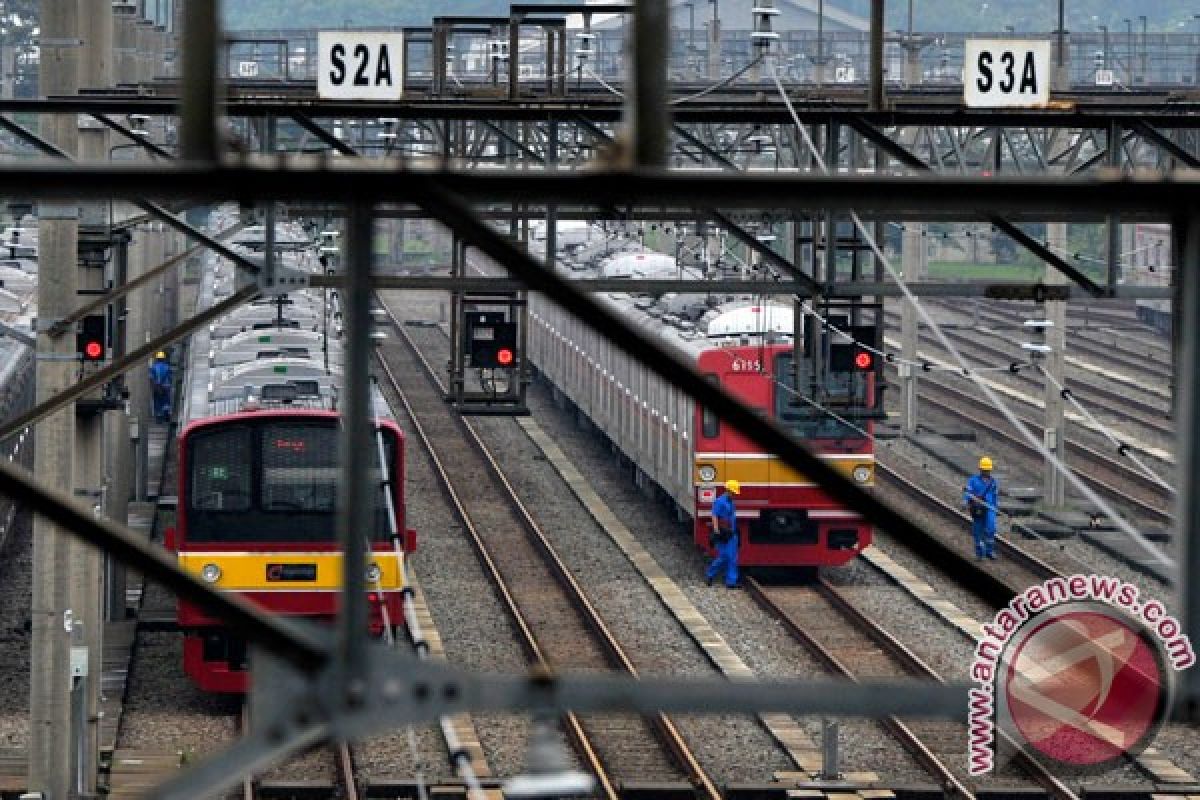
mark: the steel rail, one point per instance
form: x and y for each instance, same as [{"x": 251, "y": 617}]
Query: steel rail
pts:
[
  {"x": 905, "y": 735},
  {"x": 243, "y": 727},
  {"x": 574, "y": 728},
  {"x": 1102, "y": 397},
  {"x": 1124, "y": 357},
  {"x": 343, "y": 761},
  {"x": 970, "y": 409},
  {"x": 666, "y": 728},
  {"x": 908, "y": 660},
  {"x": 981, "y": 581}
]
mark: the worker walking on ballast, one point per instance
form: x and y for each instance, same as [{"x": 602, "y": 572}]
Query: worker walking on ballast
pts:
[
  {"x": 160, "y": 385},
  {"x": 725, "y": 537},
  {"x": 981, "y": 497}
]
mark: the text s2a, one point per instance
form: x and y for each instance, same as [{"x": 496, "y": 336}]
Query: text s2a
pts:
[{"x": 360, "y": 65}]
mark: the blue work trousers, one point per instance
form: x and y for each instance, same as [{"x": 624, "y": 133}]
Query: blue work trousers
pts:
[
  {"x": 727, "y": 559},
  {"x": 162, "y": 403},
  {"x": 984, "y": 531}
]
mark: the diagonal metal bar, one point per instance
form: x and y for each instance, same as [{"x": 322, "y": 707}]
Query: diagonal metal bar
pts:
[
  {"x": 1166, "y": 144},
  {"x": 515, "y": 142},
  {"x": 20, "y": 336},
  {"x": 117, "y": 292},
  {"x": 274, "y": 633},
  {"x": 150, "y": 208},
  {"x": 901, "y": 154},
  {"x": 1099, "y": 157},
  {"x": 740, "y": 233},
  {"x": 304, "y": 121},
  {"x": 696, "y": 141},
  {"x": 129, "y": 360},
  {"x": 133, "y": 137},
  {"x": 774, "y": 438}
]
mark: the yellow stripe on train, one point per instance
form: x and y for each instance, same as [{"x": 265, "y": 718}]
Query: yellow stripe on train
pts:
[
  {"x": 760, "y": 468},
  {"x": 251, "y": 571}
]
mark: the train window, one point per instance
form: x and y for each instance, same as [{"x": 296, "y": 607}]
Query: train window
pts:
[
  {"x": 221, "y": 470},
  {"x": 807, "y": 419},
  {"x": 300, "y": 469},
  {"x": 710, "y": 424}
]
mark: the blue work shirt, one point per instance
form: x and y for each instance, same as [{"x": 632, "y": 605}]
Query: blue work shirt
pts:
[
  {"x": 985, "y": 491},
  {"x": 724, "y": 512},
  {"x": 160, "y": 373}
]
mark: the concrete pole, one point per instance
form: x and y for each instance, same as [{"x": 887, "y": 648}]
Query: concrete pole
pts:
[
  {"x": 1055, "y": 365},
  {"x": 913, "y": 263},
  {"x": 50, "y": 745},
  {"x": 125, "y": 44},
  {"x": 87, "y": 589}
]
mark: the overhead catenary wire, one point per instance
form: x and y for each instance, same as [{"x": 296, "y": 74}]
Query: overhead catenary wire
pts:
[
  {"x": 1123, "y": 449},
  {"x": 990, "y": 394}
]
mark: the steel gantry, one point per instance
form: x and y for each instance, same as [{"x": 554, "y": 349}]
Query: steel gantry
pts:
[{"x": 465, "y": 161}]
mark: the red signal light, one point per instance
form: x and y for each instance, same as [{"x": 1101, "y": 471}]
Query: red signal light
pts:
[
  {"x": 863, "y": 360},
  {"x": 93, "y": 350},
  {"x": 504, "y": 356}
]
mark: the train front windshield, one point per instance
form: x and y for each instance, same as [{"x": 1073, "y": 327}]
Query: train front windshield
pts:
[
  {"x": 845, "y": 393},
  {"x": 270, "y": 482}
]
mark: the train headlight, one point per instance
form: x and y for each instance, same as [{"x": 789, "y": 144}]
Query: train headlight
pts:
[
  {"x": 374, "y": 573},
  {"x": 708, "y": 473},
  {"x": 211, "y": 573},
  {"x": 862, "y": 473}
]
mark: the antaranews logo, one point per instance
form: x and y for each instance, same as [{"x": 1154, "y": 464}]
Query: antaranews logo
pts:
[{"x": 1077, "y": 671}]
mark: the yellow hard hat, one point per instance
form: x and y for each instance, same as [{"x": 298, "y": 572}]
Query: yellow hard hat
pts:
[
  {"x": 160, "y": 354},
  {"x": 733, "y": 486},
  {"x": 985, "y": 463}
]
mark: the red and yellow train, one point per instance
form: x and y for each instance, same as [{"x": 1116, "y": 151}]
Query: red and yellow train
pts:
[
  {"x": 257, "y": 516},
  {"x": 785, "y": 519}
]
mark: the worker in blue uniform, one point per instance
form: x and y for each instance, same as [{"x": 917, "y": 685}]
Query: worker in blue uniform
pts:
[
  {"x": 981, "y": 497},
  {"x": 725, "y": 536},
  {"x": 160, "y": 384}
]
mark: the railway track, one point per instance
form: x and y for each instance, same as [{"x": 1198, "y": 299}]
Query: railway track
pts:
[
  {"x": 851, "y": 645},
  {"x": 1153, "y": 415},
  {"x": 559, "y": 625},
  {"x": 1142, "y": 362},
  {"x": 994, "y": 584},
  {"x": 1104, "y": 474}
]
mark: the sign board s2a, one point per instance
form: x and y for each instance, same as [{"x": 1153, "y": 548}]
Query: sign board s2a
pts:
[
  {"x": 1006, "y": 73},
  {"x": 360, "y": 65}
]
